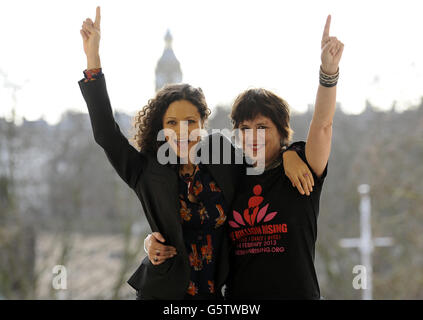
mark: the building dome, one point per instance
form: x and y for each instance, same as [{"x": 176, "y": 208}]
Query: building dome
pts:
[{"x": 168, "y": 69}]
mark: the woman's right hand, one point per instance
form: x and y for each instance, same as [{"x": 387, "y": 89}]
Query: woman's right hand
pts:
[
  {"x": 158, "y": 252},
  {"x": 90, "y": 33},
  {"x": 298, "y": 172}
]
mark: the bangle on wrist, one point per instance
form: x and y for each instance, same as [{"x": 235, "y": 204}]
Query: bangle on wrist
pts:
[
  {"x": 328, "y": 80},
  {"x": 145, "y": 249}
]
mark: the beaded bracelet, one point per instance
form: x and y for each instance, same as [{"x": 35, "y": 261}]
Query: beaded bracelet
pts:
[{"x": 328, "y": 80}]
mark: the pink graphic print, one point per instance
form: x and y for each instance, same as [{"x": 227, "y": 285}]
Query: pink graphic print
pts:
[{"x": 253, "y": 205}]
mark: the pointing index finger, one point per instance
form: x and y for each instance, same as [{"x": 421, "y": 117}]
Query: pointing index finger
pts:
[
  {"x": 327, "y": 27},
  {"x": 97, "y": 17}
]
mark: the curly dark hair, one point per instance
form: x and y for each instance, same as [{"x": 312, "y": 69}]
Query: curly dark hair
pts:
[{"x": 147, "y": 122}]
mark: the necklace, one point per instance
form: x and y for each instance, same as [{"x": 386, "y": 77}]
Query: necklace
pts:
[
  {"x": 188, "y": 179},
  {"x": 187, "y": 175},
  {"x": 274, "y": 164}
]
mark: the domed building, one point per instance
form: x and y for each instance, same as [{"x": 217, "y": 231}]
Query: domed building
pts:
[{"x": 168, "y": 69}]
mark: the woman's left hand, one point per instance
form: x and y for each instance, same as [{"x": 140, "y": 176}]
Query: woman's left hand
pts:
[{"x": 332, "y": 50}]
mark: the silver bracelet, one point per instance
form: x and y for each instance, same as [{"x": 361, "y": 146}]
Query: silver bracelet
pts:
[{"x": 145, "y": 249}]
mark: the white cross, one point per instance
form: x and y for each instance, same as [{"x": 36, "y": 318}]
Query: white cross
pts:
[{"x": 366, "y": 243}]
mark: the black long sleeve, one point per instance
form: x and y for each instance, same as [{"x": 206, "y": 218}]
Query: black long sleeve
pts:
[{"x": 126, "y": 160}]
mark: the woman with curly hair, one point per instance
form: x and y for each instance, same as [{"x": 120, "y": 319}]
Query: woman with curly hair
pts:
[
  {"x": 273, "y": 230},
  {"x": 186, "y": 202}
]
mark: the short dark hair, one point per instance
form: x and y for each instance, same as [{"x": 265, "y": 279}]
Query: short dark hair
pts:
[{"x": 258, "y": 101}]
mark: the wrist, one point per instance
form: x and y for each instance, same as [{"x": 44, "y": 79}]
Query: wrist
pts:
[
  {"x": 286, "y": 152},
  {"x": 329, "y": 70},
  {"x": 328, "y": 79},
  {"x": 93, "y": 62}
]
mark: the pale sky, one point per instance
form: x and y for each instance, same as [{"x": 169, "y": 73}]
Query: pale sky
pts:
[{"x": 224, "y": 47}]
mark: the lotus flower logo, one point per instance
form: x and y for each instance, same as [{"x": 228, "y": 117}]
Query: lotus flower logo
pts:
[{"x": 253, "y": 214}]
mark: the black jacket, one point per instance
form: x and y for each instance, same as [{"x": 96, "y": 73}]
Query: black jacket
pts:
[{"x": 156, "y": 186}]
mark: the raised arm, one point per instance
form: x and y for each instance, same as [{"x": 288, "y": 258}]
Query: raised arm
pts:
[
  {"x": 319, "y": 138},
  {"x": 126, "y": 160},
  {"x": 91, "y": 35}
]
